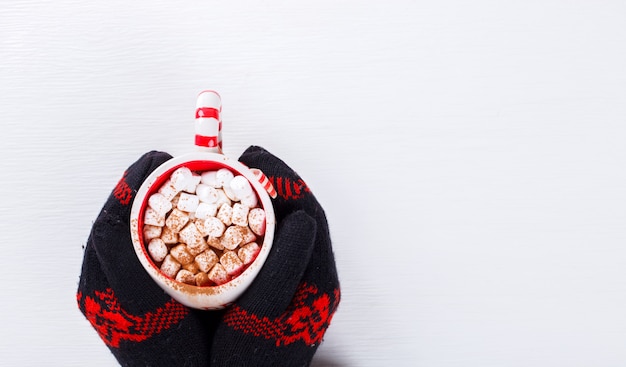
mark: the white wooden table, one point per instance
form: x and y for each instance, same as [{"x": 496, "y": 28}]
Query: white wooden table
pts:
[{"x": 469, "y": 155}]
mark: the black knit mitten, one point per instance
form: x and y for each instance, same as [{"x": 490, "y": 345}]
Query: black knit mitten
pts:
[
  {"x": 281, "y": 319},
  {"x": 141, "y": 324}
]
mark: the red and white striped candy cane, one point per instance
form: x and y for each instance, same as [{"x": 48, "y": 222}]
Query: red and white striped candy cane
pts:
[
  {"x": 265, "y": 182},
  {"x": 209, "y": 131},
  {"x": 209, "y": 121}
]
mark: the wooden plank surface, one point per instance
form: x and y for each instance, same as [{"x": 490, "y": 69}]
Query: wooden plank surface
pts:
[{"x": 469, "y": 155}]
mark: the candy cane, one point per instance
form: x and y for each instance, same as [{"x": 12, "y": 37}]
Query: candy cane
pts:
[
  {"x": 265, "y": 182},
  {"x": 208, "y": 125}
]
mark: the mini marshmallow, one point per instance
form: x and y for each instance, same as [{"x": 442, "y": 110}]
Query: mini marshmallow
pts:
[
  {"x": 169, "y": 236},
  {"x": 206, "y": 260},
  {"x": 157, "y": 249},
  {"x": 232, "y": 264},
  {"x": 207, "y": 194},
  {"x": 192, "y": 267},
  {"x": 240, "y": 214},
  {"x": 215, "y": 242},
  {"x": 225, "y": 214},
  {"x": 218, "y": 274},
  {"x": 159, "y": 204},
  {"x": 150, "y": 232},
  {"x": 256, "y": 221},
  {"x": 200, "y": 225},
  {"x": 180, "y": 178},
  {"x": 241, "y": 186},
  {"x": 232, "y": 238},
  {"x": 213, "y": 227},
  {"x": 181, "y": 254},
  {"x": 191, "y": 236},
  {"x": 168, "y": 190},
  {"x": 230, "y": 193},
  {"x": 209, "y": 178},
  {"x": 177, "y": 220},
  {"x": 202, "y": 279},
  {"x": 247, "y": 253},
  {"x": 250, "y": 201},
  {"x": 185, "y": 276},
  {"x": 223, "y": 176},
  {"x": 153, "y": 218},
  {"x": 188, "y": 202},
  {"x": 222, "y": 198},
  {"x": 198, "y": 249},
  {"x": 205, "y": 210},
  {"x": 247, "y": 234},
  {"x": 192, "y": 183},
  {"x": 175, "y": 200},
  {"x": 170, "y": 266}
]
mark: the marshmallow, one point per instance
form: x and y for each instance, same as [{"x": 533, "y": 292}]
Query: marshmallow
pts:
[
  {"x": 223, "y": 176},
  {"x": 150, "y": 232},
  {"x": 206, "y": 260},
  {"x": 247, "y": 253},
  {"x": 192, "y": 267},
  {"x": 205, "y": 210},
  {"x": 192, "y": 237},
  {"x": 209, "y": 178},
  {"x": 213, "y": 227},
  {"x": 241, "y": 186},
  {"x": 256, "y": 221},
  {"x": 201, "y": 228},
  {"x": 247, "y": 234},
  {"x": 215, "y": 242},
  {"x": 240, "y": 214},
  {"x": 169, "y": 236},
  {"x": 188, "y": 203},
  {"x": 180, "y": 178},
  {"x": 230, "y": 193},
  {"x": 153, "y": 218},
  {"x": 198, "y": 249},
  {"x": 181, "y": 254},
  {"x": 218, "y": 274},
  {"x": 168, "y": 190},
  {"x": 232, "y": 264},
  {"x": 202, "y": 279},
  {"x": 232, "y": 238},
  {"x": 206, "y": 194},
  {"x": 192, "y": 183},
  {"x": 176, "y": 220},
  {"x": 159, "y": 204},
  {"x": 157, "y": 249},
  {"x": 225, "y": 214},
  {"x": 170, "y": 266},
  {"x": 222, "y": 198},
  {"x": 175, "y": 200},
  {"x": 185, "y": 276},
  {"x": 249, "y": 201}
]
